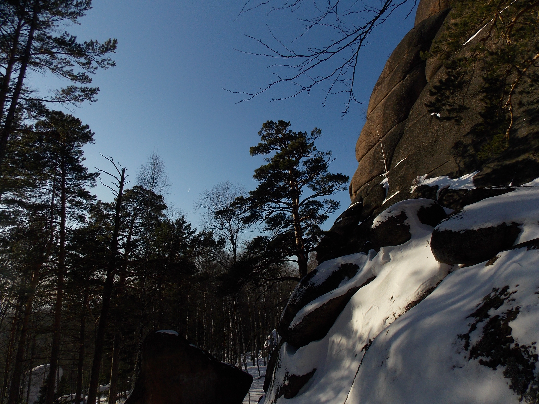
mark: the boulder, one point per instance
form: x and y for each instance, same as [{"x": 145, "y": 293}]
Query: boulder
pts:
[
  {"x": 316, "y": 324},
  {"x": 394, "y": 225},
  {"x": 431, "y": 214},
  {"x": 309, "y": 289},
  {"x": 392, "y": 231},
  {"x": 293, "y": 384},
  {"x": 175, "y": 372},
  {"x": 470, "y": 247}
]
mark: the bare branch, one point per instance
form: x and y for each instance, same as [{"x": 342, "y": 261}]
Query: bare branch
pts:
[{"x": 336, "y": 61}]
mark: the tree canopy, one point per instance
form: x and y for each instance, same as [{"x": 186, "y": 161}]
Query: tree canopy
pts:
[
  {"x": 292, "y": 188},
  {"x": 31, "y": 39}
]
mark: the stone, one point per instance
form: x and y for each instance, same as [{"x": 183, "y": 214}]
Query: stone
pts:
[
  {"x": 175, "y": 372},
  {"x": 392, "y": 231},
  {"x": 401, "y": 83},
  {"x": 431, "y": 215},
  {"x": 316, "y": 324},
  {"x": 428, "y": 8},
  {"x": 306, "y": 291},
  {"x": 457, "y": 199},
  {"x": 393, "y": 226},
  {"x": 293, "y": 384},
  {"x": 470, "y": 247}
]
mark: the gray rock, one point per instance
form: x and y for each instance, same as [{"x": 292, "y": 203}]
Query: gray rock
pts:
[
  {"x": 393, "y": 231},
  {"x": 316, "y": 323},
  {"x": 401, "y": 83}
]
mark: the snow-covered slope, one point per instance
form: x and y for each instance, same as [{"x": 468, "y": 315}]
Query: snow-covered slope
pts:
[{"x": 423, "y": 331}]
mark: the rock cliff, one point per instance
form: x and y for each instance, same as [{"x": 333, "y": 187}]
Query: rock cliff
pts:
[
  {"x": 427, "y": 285},
  {"x": 403, "y": 138}
]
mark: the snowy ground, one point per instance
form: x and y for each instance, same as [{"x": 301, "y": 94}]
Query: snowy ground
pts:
[{"x": 256, "y": 391}]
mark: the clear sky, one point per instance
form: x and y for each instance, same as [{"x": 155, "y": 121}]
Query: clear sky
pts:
[{"x": 176, "y": 59}]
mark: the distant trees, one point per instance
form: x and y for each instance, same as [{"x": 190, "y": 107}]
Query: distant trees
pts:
[
  {"x": 221, "y": 215},
  {"x": 84, "y": 281},
  {"x": 292, "y": 186}
]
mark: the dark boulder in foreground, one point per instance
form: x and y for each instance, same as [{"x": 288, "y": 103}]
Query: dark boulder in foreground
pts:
[{"x": 175, "y": 372}]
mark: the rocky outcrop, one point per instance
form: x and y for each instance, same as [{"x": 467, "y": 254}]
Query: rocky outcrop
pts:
[
  {"x": 175, "y": 372},
  {"x": 427, "y": 288},
  {"x": 319, "y": 321},
  {"x": 405, "y": 138},
  {"x": 450, "y": 296},
  {"x": 428, "y": 8},
  {"x": 470, "y": 247}
]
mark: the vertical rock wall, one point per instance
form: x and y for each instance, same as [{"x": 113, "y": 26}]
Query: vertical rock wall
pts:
[{"x": 401, "y": 140}]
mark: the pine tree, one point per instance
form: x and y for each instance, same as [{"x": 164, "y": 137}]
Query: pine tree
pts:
[
  {"x": 30, "y": 40},
  {"x": 291, "y": 188},
  {"x": 47, "y": 189}
]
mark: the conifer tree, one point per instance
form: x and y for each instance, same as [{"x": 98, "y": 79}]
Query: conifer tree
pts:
[
  {"x": 45, "y": 185},
  {"x": 31, "y": 40},
  {"x": 292, "y": 186}
]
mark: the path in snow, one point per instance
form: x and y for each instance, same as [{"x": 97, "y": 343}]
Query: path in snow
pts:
[{"x": 256, "y": 391}]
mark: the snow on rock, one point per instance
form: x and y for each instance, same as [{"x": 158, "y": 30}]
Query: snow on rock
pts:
[
  {"x": 424, "y": 356},
  {"x": 410, "y": 208},
  {"x": 410, "y": 267},
  {"x": 422, "y": 331},
  {"x": 464, "y": 182},
  {"x": 520, "y": 206}
]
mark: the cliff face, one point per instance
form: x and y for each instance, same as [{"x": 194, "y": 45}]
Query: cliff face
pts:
[
  {"x": 404, "y": 139},
  {"x": 427, "y": 287}
]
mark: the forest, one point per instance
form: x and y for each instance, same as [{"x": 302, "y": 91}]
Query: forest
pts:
[{"x": 82, "y": 280}]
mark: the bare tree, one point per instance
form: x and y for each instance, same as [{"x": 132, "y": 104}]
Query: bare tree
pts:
[
  {"x": 345, "y": 26},
  {"x": 153, "y": 176},
  {"x": 221, "y": 216}
]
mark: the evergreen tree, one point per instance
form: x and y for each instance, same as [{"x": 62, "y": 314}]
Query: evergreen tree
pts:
[
  {"x": 291, "y": 188},
  {"x": 30, "y": 40},
  {"x": 47, "y": 192}
]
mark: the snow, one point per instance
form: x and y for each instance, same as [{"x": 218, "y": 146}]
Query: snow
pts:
[
  {"x": 337, "y": 357},
  {"x": 520, "y": 206},
  {"x": 401, "y": 338},
  {"x": 37, "y": 378},
  {"x": 410, "y": 208},
  {"x": 464, "y": 182},
  {"x": 422, "y": 358},
  {"x": 256, "y": 391}
]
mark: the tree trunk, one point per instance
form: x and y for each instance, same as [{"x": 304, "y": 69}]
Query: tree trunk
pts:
[
  {"x": 56, "y": 336},
  {"x": 301, "y": 254},
  {"x": 107, "y": 296},
  {"x": 113, "y": 390},
  {"x": 80, "y": 362},
  {"x": 4, "y": 89},
  {"x": 15, "y": 386},
  {"x": 10, "y": 116}
]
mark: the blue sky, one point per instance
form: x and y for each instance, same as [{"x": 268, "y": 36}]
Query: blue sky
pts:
[{"x": 168, "y": 93}]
